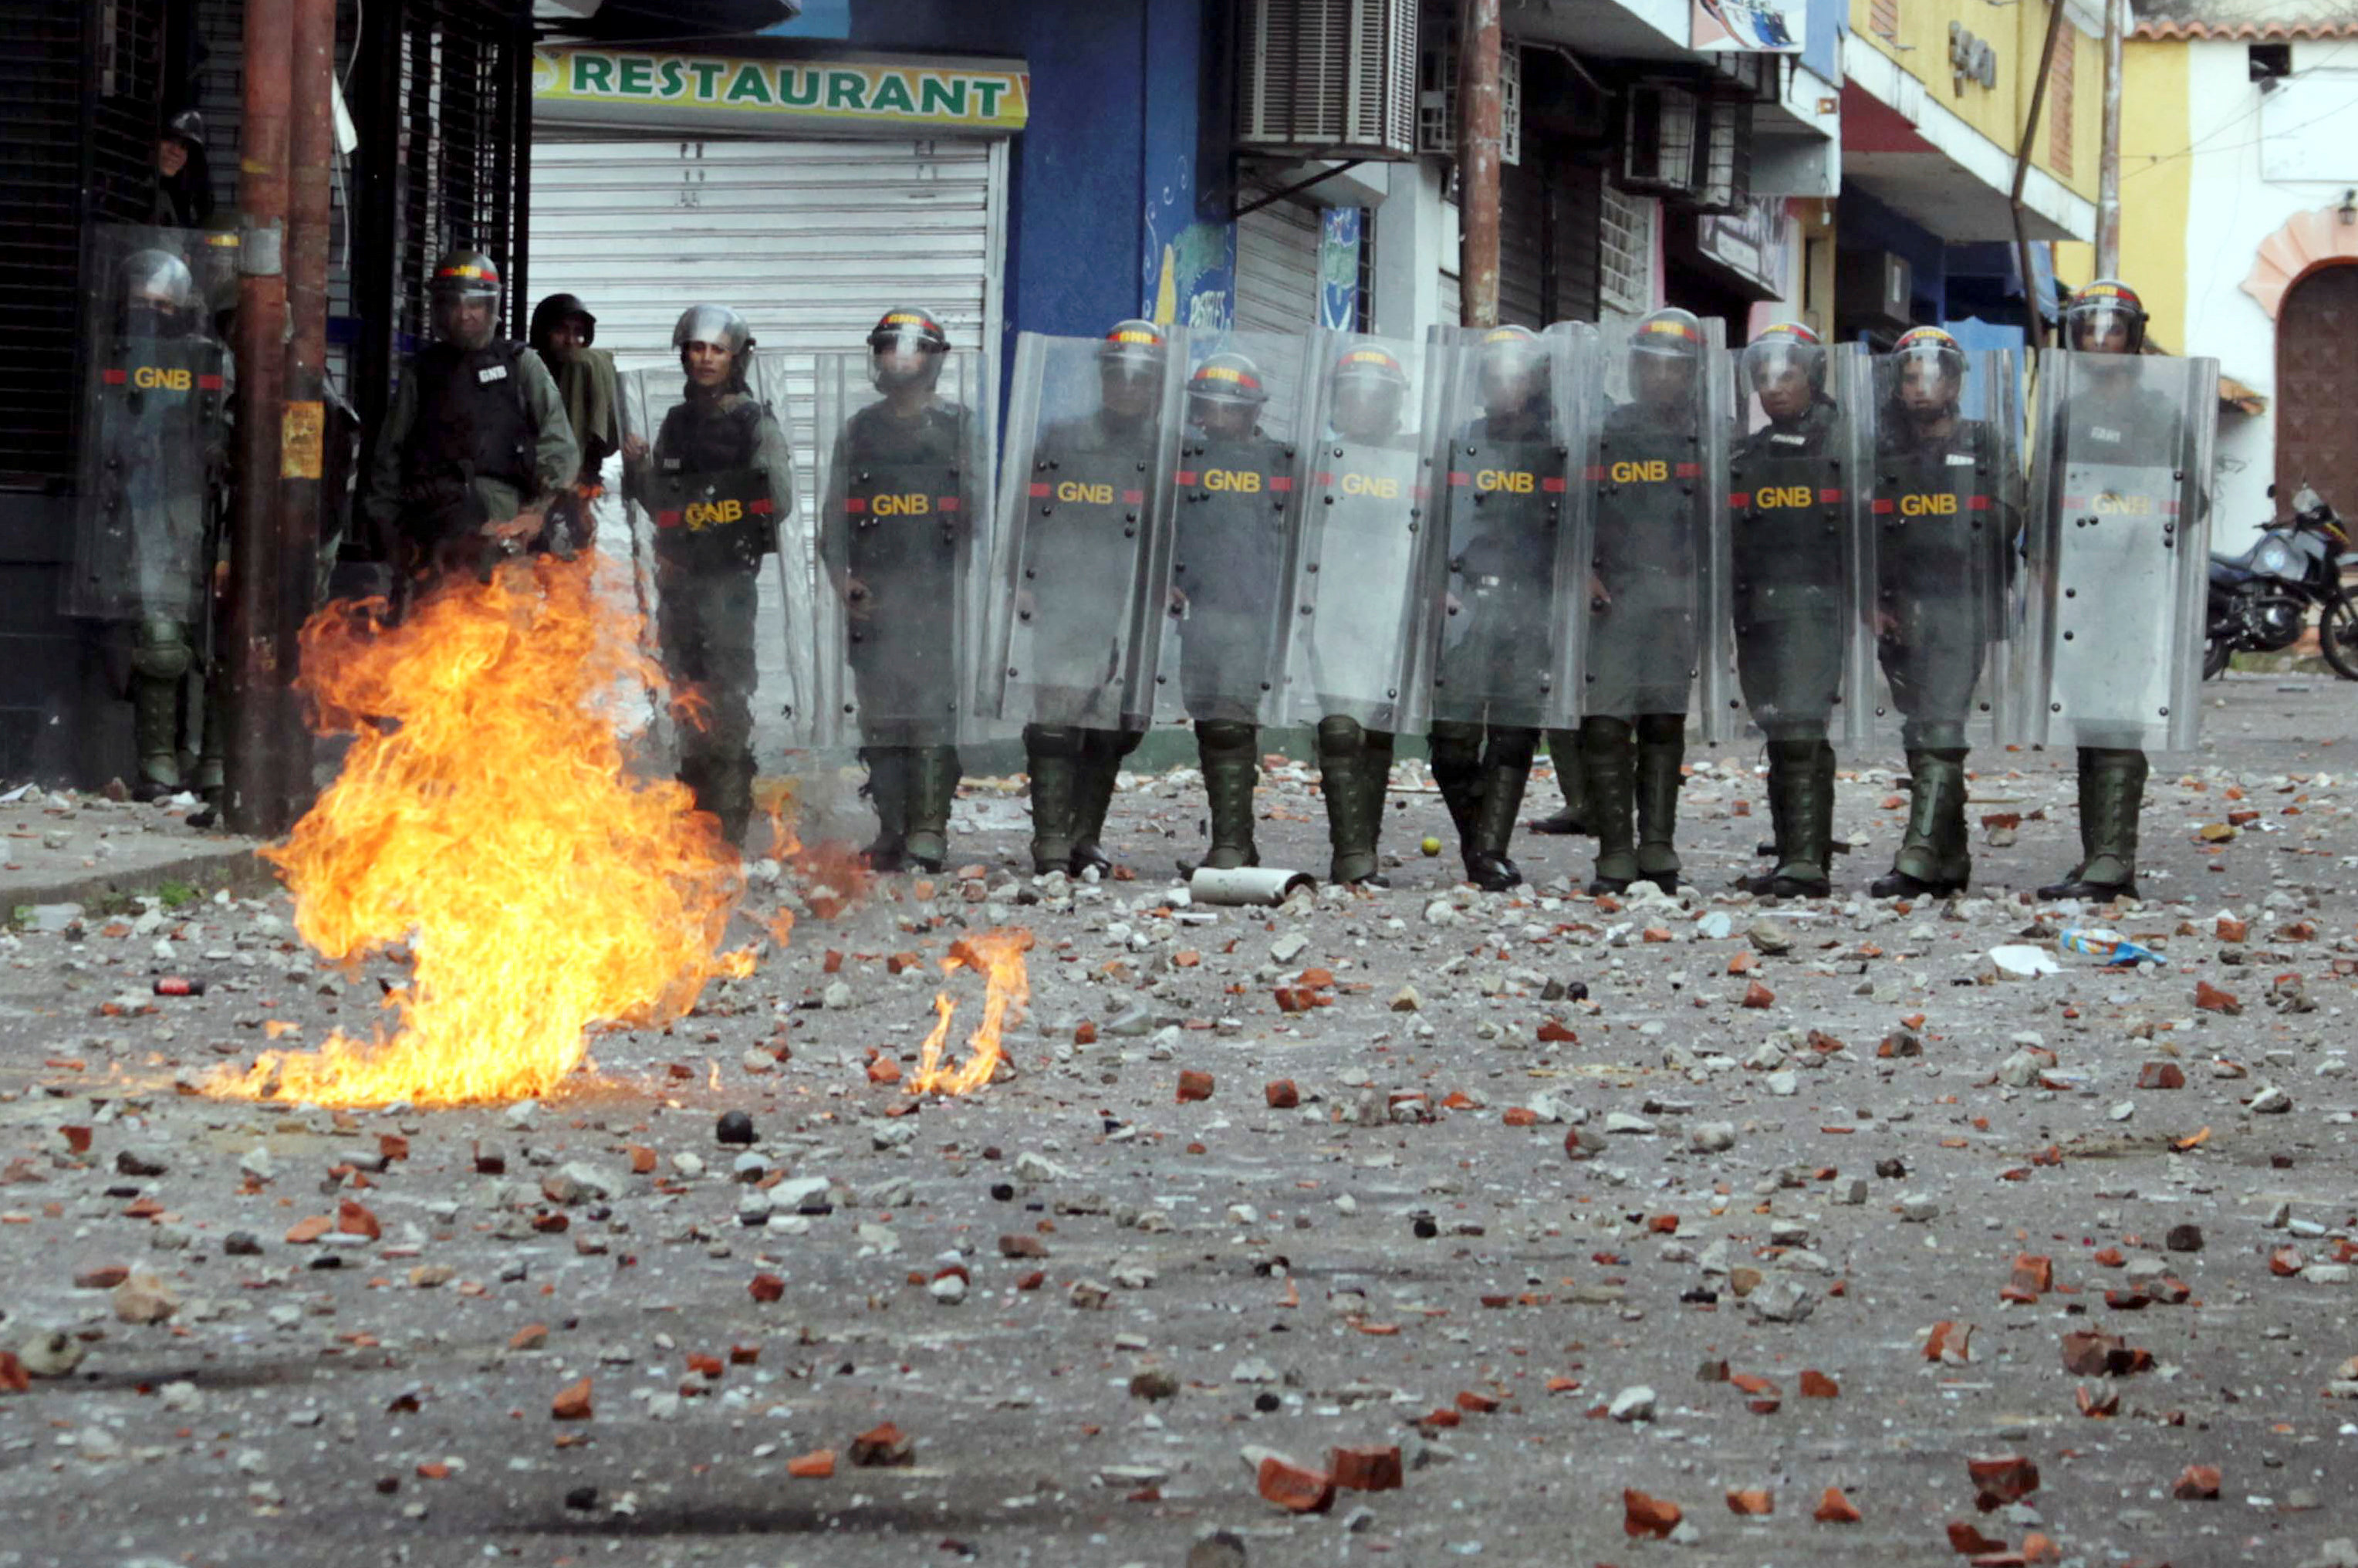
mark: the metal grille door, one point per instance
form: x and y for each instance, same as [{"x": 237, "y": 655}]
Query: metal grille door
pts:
[{"x": 2317, "y": 389}]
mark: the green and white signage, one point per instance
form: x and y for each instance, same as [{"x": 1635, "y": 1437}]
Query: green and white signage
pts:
[{"x": 626, "y": 86}]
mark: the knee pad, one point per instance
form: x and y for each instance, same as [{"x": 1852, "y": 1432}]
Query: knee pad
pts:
[
  {"x": 1051, "y": 741},
  {"x": 1224, "y": 735},
  {"x": 1341, "y": 737},
  {"x": 162, "y": 651}
]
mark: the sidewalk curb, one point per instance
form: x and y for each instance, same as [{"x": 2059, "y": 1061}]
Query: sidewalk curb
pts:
[{"x": 235, "y": 867}]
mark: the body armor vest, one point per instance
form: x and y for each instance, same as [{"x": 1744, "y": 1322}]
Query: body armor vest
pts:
[{"x": 470, "y": 421}]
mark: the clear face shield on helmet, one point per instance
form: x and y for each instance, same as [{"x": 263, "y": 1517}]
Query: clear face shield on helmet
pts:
[
  {"x": 464, "y": 313},
  {"x": 900, "y": 357},
  {"x": 1784, "y": 376},
  {"x": 1367, "y": 408},
  {"x": 1514, "y": 377},
  {"x": 1931, "y": 378},
  {"x": 2101, "y": 328},
  {"x": 159, "y": 295}
]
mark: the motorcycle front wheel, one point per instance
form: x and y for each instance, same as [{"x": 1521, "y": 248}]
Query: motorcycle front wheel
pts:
[
  {"x": 2337, "y": 636},
  {"x": 2216, "y": 652}
]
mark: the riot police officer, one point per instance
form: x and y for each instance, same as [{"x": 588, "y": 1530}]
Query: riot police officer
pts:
[
  {"x": 1503, "y": 546},
  {"x": 477, "y": 443},
  {"x": 2112, "y": 417},
  {"x": 1644, "y": 632},
  {"x": 901, "y": 580},
  {"x": 155, "y": 447},
  {"x": 1946, "y": 512},
  {"x": 1076, "y": 735},
  {"x": 1788, "y": 552},
  {"x": 725, "y": 447},
  {"x": 563, "y": 331},
  {"x": 1362, "y": 660},
  {"x": 1231, "y": 570}
]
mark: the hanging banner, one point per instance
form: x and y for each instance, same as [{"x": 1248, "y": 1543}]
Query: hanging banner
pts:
[
  {"x": 1774, "y": 27},
  {"x": 627, "y": 87}
]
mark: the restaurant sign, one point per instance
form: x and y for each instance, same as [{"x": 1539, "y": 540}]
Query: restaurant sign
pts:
[{"x": 625, "y": 86}]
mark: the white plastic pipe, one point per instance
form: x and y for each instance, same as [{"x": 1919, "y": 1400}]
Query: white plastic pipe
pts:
[{"x": 1246, "y": 884}]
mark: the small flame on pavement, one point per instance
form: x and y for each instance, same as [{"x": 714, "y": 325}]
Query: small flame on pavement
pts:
[{"x": 998, "y": 954}]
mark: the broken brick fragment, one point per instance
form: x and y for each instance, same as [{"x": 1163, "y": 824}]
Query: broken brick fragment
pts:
[
  {"x": 883, "y": 1447},
  {"x": 2161, "y": 1075},
  {"x": 767, "y": 1287},
  {"x": 1297, "y": 1488},
  {"x": 2033, "y": 1273},
  {"x": 1480, "y": 1404},
  {"x": 354, "y": 1219},
  {"x": 2097, "y": 1404},
  {"x": 816, "y": 1465},
  {"x": 2196, "y": 1483},
  {"x": 2002, "y": 1479},
  {"x": 1281, "y": 1094},
  {"x": 1751, "y": 1501},
  {"x": 1949, "y": 1339},
  {"x": 1367, "y": 1469},
  {"x": 1834, "y": 1508},
  {"x": 1642, "y": 1515},
  {"x": 1195, "y": 1086},
  {"x": 1967, "y": 1542},
  {"x": 1818, "y": 1386},
  {"x": 1757, "y": 995},
  {"x": 571, "y": 1403},
  {"x": 2209, "y": 998},
  {"x": 2085, "y": 1352}
]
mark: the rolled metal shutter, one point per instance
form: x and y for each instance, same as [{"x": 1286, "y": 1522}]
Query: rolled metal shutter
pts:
[{"x": 1276, "y": 265}]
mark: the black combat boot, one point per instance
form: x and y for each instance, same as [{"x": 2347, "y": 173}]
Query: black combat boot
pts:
[
  {"x": 1611, "y": 767},
  {"x": 1455, "y": 750},
  {"x": 887, "y": 789},
  {"x": 932, "y": 788},
  {"x": 1801, "y": 806},
  {"x": 1935, "y": 858},
  {"x": 1343, "y": 767},
  {"x": 2112, "y": 793},
  {"x": 1504, "y": 777},
  {"x": 1053, "y": 755},
  {"x": 1563, "y": 748},
  {"x": 1662, "y": 749},
  {"x": 1231, "y": 768}
]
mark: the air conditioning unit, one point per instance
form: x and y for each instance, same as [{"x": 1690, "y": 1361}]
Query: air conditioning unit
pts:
[
  {"x": 1436, "y": 91},
  {"x": 1330, "y": 78},
  {"x": 1874, "y": 288}
]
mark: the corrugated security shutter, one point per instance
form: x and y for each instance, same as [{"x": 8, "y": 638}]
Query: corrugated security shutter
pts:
[
  {"x": 1276, "y": 265},
  {"x": 810, "y": 241},
  {"x": 1522, "y": 246}
]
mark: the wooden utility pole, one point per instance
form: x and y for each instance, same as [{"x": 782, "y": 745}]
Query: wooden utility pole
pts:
[
  {"x": 312, "y": 152},
  {"x": 254, "y": 798},
  {"x": 2108, "y": 161},
  {"x": 1479, "y": 143}
]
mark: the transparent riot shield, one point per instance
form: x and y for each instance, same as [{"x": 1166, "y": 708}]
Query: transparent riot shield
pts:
[
  {"x": 1371, "y": 560},
  {"x": 154, "y": 432},
  {"x": 1510, "y": 561},
  {"x": 1234, "y": 535},
  {"x": 717, "y": 560},
  {"x": 905, "y": 506},
  {"x": 2118, "y": 550},
  {"x": 1944, "y": 522},
  {"x": 1657, "y": 465},
  {"x": 1787, "y": 614},
  {"x": 1084, "y": 557}
]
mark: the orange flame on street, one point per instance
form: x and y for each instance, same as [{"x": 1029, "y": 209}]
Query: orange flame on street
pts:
[
  {"x": 486, "y": 817},
  {"x": 998, "y": 954}
]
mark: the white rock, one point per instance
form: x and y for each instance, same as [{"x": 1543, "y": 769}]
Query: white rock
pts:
[
  {"x": 2017, "y": 961},
  {"x": 1633, "y": 1404},
  {"x": 1712, "y": 1137}
]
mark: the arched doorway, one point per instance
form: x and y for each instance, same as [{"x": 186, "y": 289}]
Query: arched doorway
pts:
[{"x": 2317, "y": 387}]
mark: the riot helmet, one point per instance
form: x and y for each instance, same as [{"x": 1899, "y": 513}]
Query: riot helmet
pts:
[
  {"x": 159, "y": 294},
  {"x": 906, "y": 348},
  {"x": 1786, "y": 368},
  {"x": 186, "y": 127},
  {"x": 1513, "y": 369},
  {"x": 1367, "y": 389},
  {"x": 2104, "y": 318},
  {"x": 1224, "y": 395},
  {"x": 466, "y": 295},
  {"x": 1665, "y": 355},
  {"x": 1930, "y": 375},
  {"x": 561, "y": 314},
  {"x": 714, "y": 346},
  {"x": 1130, "y": 362}
]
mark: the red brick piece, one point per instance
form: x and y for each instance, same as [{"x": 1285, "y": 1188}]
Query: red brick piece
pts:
[
  {"x": 1281, "y": 1094},
  {"x": 1367, "y": 1469},
  {"x": 1295, "y": 1488},
  {"x": 572, "y": 1403},
  {"x": 1193, "y": 1086},
  {"x": 1642, "y": 1515}
]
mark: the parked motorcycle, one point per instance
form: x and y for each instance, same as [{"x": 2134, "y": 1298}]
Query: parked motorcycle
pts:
[{"x": 2260, "y": 599}]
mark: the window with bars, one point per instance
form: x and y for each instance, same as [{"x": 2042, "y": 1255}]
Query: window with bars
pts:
[
  {"x": 81, "y": 89},
  {"x": 1625, "y": 235},
  {"x": 2058, "y": 101}
]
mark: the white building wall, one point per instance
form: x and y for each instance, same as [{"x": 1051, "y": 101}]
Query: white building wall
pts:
[{"x": 2232, "y": 207}]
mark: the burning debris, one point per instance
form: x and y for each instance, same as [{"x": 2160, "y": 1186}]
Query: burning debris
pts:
[
  {"x": 998, "y": 954},
  {"x": 487, "y": 818}
]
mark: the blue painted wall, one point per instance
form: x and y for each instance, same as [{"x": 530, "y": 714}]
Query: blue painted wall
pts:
[
  {"x": 1821, "y": 38},
  {"x": 1114, "y": 121}
]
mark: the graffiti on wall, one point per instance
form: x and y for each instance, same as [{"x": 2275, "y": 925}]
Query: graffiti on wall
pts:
[
  {"x": 1338, "y": 269},
  {"x": 1190, "y": 265}
]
